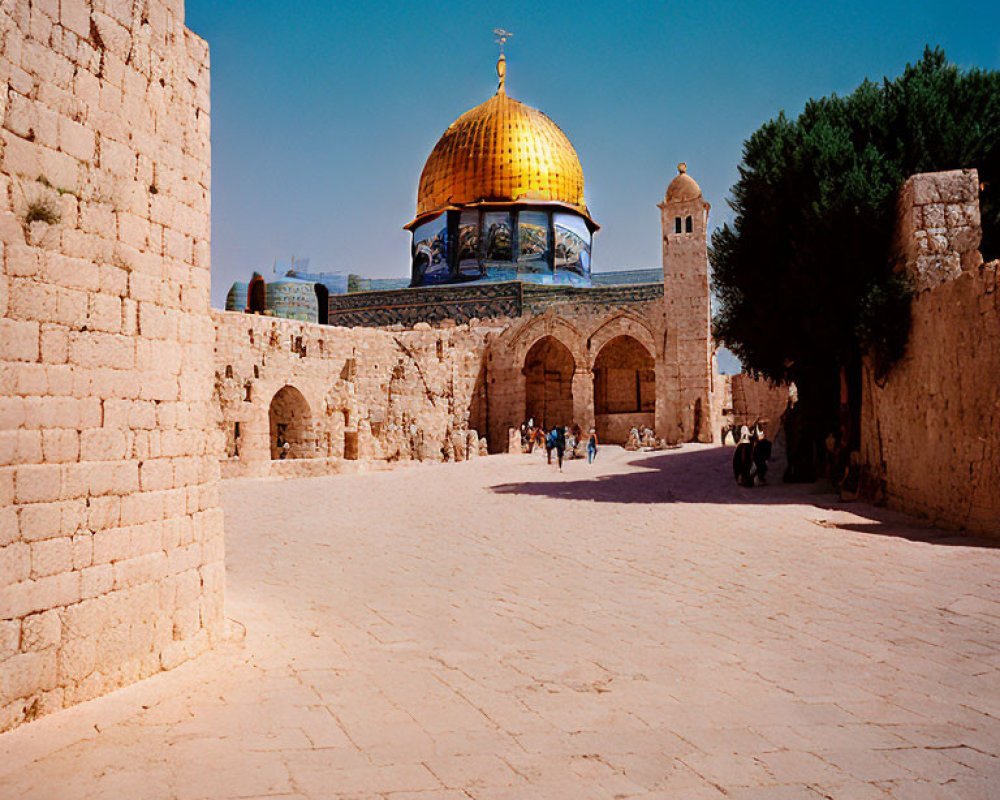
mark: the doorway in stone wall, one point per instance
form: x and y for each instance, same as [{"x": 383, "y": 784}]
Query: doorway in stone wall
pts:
[
  {"x": 292, "y": 433},
  {"x": 548, "y": 383},
  {"x": 624, "y": 389}
]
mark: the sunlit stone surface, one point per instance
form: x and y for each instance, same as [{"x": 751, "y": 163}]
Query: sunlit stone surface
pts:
[{"x": 492, "y": 629}]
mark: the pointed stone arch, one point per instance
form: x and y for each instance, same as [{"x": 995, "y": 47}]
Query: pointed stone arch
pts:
[
  {"x": 567, "y": 334},
  {"x": 624, "y": 388},
  {"x": 624, "y": 323},
  {"x": 548, "y": 369}
]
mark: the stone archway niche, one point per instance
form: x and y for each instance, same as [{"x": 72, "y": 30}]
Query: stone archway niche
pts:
[
  {"x": 624, "y": 389},
  {"x": 291, "y": 422},
  {"x": 548, "y": 383}
]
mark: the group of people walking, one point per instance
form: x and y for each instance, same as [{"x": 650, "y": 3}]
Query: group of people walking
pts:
[
  {"x": 560, "y": 440},
  {"x": 753, "y": 451}
]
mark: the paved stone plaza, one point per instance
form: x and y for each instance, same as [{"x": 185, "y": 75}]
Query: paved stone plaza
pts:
[{"x": 493, "y": 629}]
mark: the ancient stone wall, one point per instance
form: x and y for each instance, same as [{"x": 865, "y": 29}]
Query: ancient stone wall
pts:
[
  {"x": 931, "y": 427},
  {"x": 367, "y": 394},
  {"x": 111, "y": 547},
  {"x": 428, "y": 393},
  {"x": 938, "y": 227}
]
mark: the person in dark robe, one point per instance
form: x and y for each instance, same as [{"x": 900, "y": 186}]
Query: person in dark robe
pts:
[
  {"x": 743, "y": 458},
  {"x": 559, "y": 444},
  {"x": 761, "y": 454}
]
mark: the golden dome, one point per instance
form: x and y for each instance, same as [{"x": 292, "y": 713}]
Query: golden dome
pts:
[
  {"x": 501, "y": 151},
  {"x": 682, "y": 188}
]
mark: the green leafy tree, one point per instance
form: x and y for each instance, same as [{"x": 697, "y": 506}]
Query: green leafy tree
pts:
[{"x": 804, "y": 274}]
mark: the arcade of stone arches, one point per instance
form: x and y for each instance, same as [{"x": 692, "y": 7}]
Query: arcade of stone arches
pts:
[
  {"x": 549, "y": 378},
  {"x": 624, "y": 386}
]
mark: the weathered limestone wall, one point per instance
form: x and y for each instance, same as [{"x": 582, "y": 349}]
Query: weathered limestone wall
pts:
[
  {"x": 369, "y": 394},
  {"x": 931, "y": 429},
  {"x": 378, "y": 394},
  {"x": 111, "y": 548},
  {"x": 742, "y": 399}
]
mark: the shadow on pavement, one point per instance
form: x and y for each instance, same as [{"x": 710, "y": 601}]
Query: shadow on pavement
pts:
[
  {"x": 705, "y": 475},
  {"x": 915, "y": 531}
]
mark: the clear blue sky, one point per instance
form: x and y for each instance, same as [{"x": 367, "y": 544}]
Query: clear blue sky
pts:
[{"x": 323, "y": 113}]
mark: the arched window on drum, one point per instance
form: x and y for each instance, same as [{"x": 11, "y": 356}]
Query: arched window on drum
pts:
[
  {"x": 498, "y": 246},
  {"x": 470, "y": 265},
  {"x": 430, "y": 252},
  {"x": 572, "y": 255}
]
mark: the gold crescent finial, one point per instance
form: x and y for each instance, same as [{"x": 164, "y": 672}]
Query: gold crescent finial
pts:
[
  {"x": 682, "y": 168},
  {"x": 501, "y": 72},
  {"x": 501, "y": 38}
]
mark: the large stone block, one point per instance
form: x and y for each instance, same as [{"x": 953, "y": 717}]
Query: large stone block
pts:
[
  {"x": 15, "y": 563},
  {"x": 51, "y": 557},
  {"x": 41, "y": 631},
  {"x": 96, "y": 580},
  {"x": 26, "y": 597},
  {"x": 37, "y": 484},
  {"x": 19, "y": 340},
  {"x": 76, "y": 140},
  {"x": 27, "y": 673},
  {"x": 77, "y": 659},
  {"x": 40, "y": 521}
]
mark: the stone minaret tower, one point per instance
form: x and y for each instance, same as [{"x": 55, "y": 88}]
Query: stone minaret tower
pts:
[{"x": 688, "y": 344}]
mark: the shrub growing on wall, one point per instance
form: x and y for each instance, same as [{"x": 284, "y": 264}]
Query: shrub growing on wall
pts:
[{"x": 804, "y": 274}]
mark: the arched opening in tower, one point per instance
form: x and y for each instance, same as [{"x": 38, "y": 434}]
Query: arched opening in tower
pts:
[
  {"x": 548, "y": 389},
  {"x": 624, "y": 389},
  {"x": 292, "y": 433}
]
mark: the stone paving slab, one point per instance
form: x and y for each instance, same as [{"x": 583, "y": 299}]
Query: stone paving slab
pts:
[{"x": 641, "y": 628}]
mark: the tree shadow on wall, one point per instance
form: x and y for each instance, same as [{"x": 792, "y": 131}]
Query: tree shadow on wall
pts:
[{"x": 705, "y": 475}]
